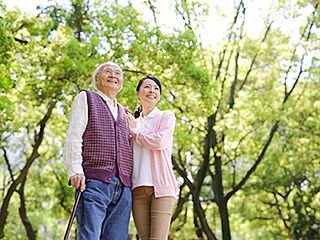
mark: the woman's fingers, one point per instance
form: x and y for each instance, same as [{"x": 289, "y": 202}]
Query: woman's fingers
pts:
[
  {"x": 131, "y": 121},
  {"x": 129, "y": 116}
]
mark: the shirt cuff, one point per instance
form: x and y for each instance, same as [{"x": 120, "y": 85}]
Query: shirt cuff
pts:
[
  {"x": 74, "y": 170},
  {"x": 134, "y": 131}
]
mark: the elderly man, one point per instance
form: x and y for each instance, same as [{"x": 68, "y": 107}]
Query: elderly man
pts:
[{"x": 97, "y": 148}]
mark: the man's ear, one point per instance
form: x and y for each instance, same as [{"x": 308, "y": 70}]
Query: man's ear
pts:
[{"x": 96, "y": 78}]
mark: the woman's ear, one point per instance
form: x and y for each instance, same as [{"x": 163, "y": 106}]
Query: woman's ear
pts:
[{"x": 137, "y": 95}]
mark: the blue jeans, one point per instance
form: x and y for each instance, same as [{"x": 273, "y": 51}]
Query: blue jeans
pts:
[{"x": 104, "y": 211}]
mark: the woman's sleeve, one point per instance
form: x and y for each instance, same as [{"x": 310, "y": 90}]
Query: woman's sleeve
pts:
[{"x": 159, "y": 140}]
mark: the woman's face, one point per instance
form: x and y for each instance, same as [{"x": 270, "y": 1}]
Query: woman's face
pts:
[{"x": 149, "y": 93}]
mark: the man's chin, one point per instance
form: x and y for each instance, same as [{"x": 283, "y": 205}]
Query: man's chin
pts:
[{"x": 113, "y": 86}]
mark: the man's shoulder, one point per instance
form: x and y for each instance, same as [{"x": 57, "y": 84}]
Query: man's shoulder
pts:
[
  {"x": 81, "y": 95},
  {"x": 87, "y": 91},
  {"x": 90, "y": 94},
  {"x": 125, "y": 109}
]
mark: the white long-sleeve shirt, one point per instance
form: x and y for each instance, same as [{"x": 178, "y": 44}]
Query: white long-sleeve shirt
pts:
[
  {"x": 141, "y": 174},
  {"x": 78, "y": 121}
]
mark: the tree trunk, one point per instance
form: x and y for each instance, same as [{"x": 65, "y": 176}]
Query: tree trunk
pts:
[
  {"x": 31, "y": 233},
  {"x": 34, "y": 155},
  {"x": 221, "y": 200}
]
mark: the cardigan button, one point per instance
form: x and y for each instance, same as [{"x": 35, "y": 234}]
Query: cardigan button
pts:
[{"x": 109, "y": 179}]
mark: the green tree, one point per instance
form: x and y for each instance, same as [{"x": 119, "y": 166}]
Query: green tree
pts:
[
  {"x": 61, "y": 46},
  {"x": 246, "y": 150},
  {"x": 254, "y": 83}
]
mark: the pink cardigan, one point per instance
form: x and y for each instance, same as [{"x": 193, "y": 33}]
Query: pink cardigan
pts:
[{"x": 159, "y": 141}]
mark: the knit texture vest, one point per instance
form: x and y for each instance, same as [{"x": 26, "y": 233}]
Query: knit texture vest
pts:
[{"x": 105, "y": 147}]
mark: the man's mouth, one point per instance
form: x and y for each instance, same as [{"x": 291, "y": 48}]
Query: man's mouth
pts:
[{"x": 112, "y": 81}]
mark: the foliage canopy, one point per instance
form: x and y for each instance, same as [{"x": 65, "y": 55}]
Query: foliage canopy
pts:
[{"x": 246, "y": 149}]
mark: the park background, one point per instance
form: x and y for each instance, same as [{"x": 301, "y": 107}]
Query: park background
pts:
[{"x": 242, "y": 77}]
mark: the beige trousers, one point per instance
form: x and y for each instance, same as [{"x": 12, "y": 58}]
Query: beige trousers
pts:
[{"x": 151, "y": 215}]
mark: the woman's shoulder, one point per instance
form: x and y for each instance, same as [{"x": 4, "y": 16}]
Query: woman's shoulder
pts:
[
  {"x": 166, "y": 114},
  {"x": 167, "y": 111}
]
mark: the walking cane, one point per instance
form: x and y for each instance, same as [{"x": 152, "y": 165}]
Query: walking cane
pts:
[
  {"x": 75, "y": 206},
  {"x": 74, "y": 210}
]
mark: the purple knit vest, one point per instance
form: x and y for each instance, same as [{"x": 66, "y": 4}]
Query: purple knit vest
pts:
[{"x": 106, "y": 147}]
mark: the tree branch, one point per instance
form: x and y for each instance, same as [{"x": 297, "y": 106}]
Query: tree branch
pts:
[
  {"x": 34, "y": 155},
  {"x": 31, "y": 233},
  {"x": 253, "y": 168}
]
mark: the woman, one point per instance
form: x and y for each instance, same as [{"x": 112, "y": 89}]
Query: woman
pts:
[{"x": 153, "y": 183}]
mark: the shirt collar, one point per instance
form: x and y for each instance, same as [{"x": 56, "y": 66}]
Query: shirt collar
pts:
[
  {"x": 107, "y": 99},
  {"x": 152, "y": 113}
]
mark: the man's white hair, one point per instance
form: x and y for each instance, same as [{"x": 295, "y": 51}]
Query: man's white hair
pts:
[{"x": 95, "y": 73}]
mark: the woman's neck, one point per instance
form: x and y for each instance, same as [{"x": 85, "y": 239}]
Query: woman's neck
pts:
[{"x": 146, "y": 110}]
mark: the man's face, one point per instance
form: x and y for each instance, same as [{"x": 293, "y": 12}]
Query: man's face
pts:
[{"x": 110, "y": 78}]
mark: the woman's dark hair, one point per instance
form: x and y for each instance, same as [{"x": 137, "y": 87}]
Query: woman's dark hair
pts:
[
  {"x": 138, "y": 110},
  {"x": 153, "y": 78}
]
